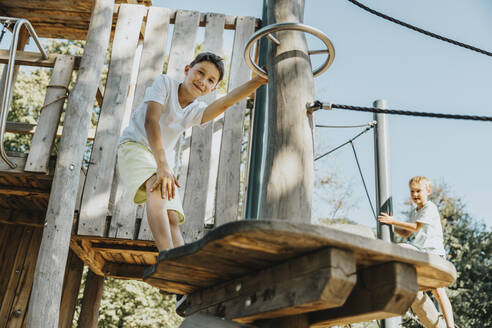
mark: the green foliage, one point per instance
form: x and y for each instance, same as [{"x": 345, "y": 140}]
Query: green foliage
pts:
[
  {"x": 469, "y": 245},
  {"x": 128, "y": 303}
]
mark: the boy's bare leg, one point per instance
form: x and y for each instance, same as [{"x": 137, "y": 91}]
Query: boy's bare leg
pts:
[
  {"x": 175, "y": 231},
  {"x": 445, "y": 305},
  {"x": 157, "y": 217}
]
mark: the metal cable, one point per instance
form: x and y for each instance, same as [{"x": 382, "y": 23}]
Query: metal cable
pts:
[
  {"x": 418, "y": 29},
  {"x": 4, "y": 29},
  {"x": 363, "y": 181},
  {"x": 340, "y": 146},
  {"x": 346, "y": 126},
  {"x": 411, "y": 113}
]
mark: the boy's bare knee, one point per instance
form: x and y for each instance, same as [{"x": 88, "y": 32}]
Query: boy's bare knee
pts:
[
  {"x": 173, "y": 218},
  {"x": 150, "y": 181}
]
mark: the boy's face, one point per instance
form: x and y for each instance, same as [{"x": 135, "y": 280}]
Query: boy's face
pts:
[
  {"x": 201, "y": 79},
  {"x": 419, "y": 193}
]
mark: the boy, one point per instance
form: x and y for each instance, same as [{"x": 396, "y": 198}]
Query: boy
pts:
[
  {"x": 425, "y": 222},
  {"x": 145, "y": 150}
]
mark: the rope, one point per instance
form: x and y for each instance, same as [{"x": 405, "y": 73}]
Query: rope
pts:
[
  {"x": 363, "y": 181},
  {"x": 316, "y": 105},
  {"x": 418, "y": 29},
  {"x": 338, "y": 147},
  {"x": 346, "y": 126},
  {"x": 57, "y": 99},
  {"x": 411, "y": 113}
]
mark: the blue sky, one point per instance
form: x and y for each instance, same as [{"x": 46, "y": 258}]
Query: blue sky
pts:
[{"x": 376, "y": 59}]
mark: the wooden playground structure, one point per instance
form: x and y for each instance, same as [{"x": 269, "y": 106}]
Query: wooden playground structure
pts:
[{"x": 277, "y": 271}]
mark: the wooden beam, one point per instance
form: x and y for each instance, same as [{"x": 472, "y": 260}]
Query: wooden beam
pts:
[
  {"x": 21, "y": 217},
  {"x": 288, "y": 173},
  {"x": 27, "y": 128},
  {"x": 89, "y": 312},
  {"x": 382, "y": 291},
  {"x": 28, "y": 58},
  {"x": 23, "y": 192},
  {"x": 124, "y": 270},
  {"x": 71, "y": 286},
  {"x": 44, "y": 306},
  {"x": 83, "y": 249},
  {"x": 281, "y": 290},
  {"x": 202, "y": 320}
]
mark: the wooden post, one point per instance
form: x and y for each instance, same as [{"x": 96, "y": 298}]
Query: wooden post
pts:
[
  {"x": 89, "y": 313},
  {"x": 46, "y": 293},
  {"x": 289, "y": 160},
  {"x": 71, "y": 286}
]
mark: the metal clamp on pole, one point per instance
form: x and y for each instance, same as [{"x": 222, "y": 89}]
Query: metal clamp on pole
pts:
[
  {"x": 267, "y": 32},
  {"x": 316, "y": 105},
  {"x": 4, "y": 110}
]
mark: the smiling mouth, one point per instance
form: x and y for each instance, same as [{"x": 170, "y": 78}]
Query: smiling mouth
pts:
[{"x": 197, "y": 87}]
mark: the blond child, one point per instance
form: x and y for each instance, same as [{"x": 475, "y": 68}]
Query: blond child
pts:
[
  {"x": 145, "y": 150},
  {"x": 425, "y": 223}
]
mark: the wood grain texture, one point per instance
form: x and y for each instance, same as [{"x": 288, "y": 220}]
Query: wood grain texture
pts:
[
  {"x": 201, "y": 320},
  {"x": 288, "y": 175},
  {"x": 228, "y": 179},
  {"x": 382, "y": 291},
  {"x": 181, "y": 54},
  {"x": 49, "y": 119},
  {"x": 94, "y": 208},
  {"x": 150, "y": 66},
  {"x": 89, "y": 311},
  {"x": 28, "y": 58},
  {"x": 241, "y": 248},
  {"x": 319, "y": 280},
  {"x": 197, "y": 182},
  {"x": 71, "y": 286},
  {"x": 48, "y": 282}
]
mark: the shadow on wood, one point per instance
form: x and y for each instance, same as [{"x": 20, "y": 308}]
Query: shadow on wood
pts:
[{"x": 382, "y": 291}]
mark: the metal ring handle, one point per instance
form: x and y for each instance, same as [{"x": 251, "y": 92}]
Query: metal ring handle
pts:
[{"x": 267, "y": 30}]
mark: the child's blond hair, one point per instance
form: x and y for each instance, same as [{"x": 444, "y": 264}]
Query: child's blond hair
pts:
[{"x": 420, "y": 180}]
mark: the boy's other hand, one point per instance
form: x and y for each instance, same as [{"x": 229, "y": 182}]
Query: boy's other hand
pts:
[
  {"x": 166, "y": 181},
  {"x": 385, "y": 218}
]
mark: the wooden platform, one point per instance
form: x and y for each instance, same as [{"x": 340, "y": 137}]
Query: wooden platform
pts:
[{"x": 215, "y": 270}]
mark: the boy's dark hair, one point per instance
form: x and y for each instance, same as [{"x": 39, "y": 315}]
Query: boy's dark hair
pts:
[{"x": 212, "y": 58}]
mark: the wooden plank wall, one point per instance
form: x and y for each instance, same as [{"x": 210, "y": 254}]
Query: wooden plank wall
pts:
[
  {"x": 19, "y": 247},
  {"x": 104, "y": 196}
]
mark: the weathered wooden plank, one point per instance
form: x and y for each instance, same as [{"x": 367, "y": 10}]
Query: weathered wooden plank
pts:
[
  {"x": 181, "y": 54},
  {"x": 14, "y": 277},
  {"x": 42, "y": 141},
  {"x": 382, "y": 291},
  {"x": 71, "y": 286},
  {"x": 94, "y": 208},
  {"x": 93, "y": 259},
  {"x": 195, "y": 199},
  {"x": 151, "y": 65},
  {"x": 22, "y": 217},
  {"x": 27, "y": 128},
  {"x": 239, "y": 248},
  {"x": 145, "y": 233},
  {"x": 48, "y": 282},
  {"x": 29, "y": 58},
  {"x": 122, "y": 225},
  {"x": 281, "y": 290},
  {"x": 89, "y": 311},
  {"x": 227, "y": 198},
  {"x": 124, "y": 271},
  {"x": 23, "y": 289},
  {"x": 288, "y": 174},
  {"x": 9, "y": 245},
  {"x": 202, "y": 320}
]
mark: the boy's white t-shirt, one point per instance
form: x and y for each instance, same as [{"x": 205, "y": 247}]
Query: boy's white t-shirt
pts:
[
  {"x": 429, "y": 238},
  {"x": 173, "y": 121}
]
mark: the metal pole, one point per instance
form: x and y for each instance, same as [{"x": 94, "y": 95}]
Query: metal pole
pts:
[
  {"x": 259, "y": 136},
  {"x": 384, "y": 201}
]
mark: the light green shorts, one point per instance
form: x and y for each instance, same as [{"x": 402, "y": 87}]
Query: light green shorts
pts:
[{"x": 136, "y": 164}]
